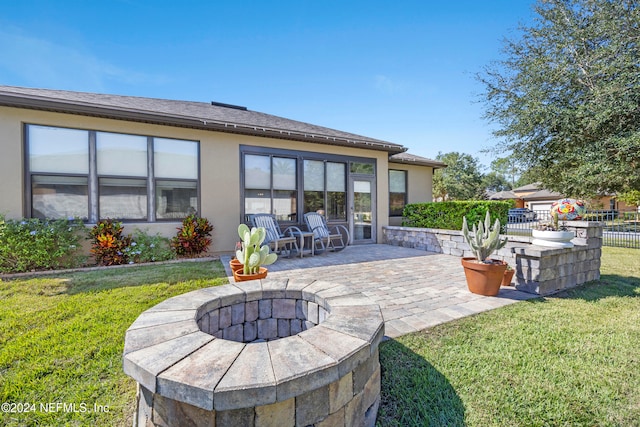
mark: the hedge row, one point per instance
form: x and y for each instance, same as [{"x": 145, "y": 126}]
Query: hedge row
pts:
[{"x": 448, "y": 215}]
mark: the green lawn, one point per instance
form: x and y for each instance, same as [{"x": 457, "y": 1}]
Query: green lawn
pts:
[
  {"x": 61, "y": 340},
  {"x": 566, "y": 360}
]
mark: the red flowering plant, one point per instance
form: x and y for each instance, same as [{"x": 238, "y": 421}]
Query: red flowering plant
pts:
[
  {"x": 109, "y": 245},
  {"x": 193, "y": 238}
]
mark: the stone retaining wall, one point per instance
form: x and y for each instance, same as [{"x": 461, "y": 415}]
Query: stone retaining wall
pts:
[
  {"x": 539, "y": 270},
  {"x": 260, "y": 353}
]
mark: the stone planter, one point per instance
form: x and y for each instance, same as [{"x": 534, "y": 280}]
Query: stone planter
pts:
[{"x": 552, "y": 239}]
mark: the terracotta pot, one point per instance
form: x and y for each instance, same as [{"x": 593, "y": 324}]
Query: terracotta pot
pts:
[
  {"x": 506, "y": 278},
  {"x": 235, "y": 265},
  {"x": 239, "y": 276},
  {"x": 484, "y": 279}
]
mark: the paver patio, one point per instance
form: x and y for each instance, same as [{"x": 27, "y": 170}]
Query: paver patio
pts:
[{"x": 414, "y": 289}]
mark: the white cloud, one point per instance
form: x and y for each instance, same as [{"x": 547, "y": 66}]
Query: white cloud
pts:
[
  {"x": 37, "y": 62},
  {"x": 388, "y": 86}
]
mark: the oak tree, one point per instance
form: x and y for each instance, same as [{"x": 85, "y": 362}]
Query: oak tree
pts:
[{"x": 566, "y": 97}]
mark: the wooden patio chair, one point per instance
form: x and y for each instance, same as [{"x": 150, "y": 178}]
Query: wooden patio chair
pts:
[
  {"x": 335, "y": 237},
  {"x": 276, "y": 238}
]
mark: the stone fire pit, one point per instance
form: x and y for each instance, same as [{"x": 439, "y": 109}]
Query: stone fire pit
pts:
[{"x": 261, "y": 353}]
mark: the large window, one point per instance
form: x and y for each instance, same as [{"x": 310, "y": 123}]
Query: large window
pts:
[
  {"x": 287, "y": 184},
  {"x": 325, "y": 189},
  {"x": 397, "y": 192},
  {"x": 93, "y": 175},
  {"x": 270, "y": 186},
  {"x": 314, "y": 186},
  {"x": 175, "y": 166}
]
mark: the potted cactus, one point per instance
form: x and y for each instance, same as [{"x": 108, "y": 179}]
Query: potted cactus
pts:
[
  {"x": 484, "y": 275},
  {"x": 253, "y": 255}
]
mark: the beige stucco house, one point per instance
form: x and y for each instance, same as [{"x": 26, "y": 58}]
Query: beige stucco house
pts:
[{"x": 151, "y": 162}]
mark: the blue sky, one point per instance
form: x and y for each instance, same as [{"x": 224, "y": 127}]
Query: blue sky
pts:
[{"x": 399, "y": 71}]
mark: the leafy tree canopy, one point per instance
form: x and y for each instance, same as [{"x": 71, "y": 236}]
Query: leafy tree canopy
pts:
[
  {"x": 493, "y": 181},
  {"x": 460, "y": 180},
  {"x": 566, "y": 98},
  {"x": 631, "y": 197}
]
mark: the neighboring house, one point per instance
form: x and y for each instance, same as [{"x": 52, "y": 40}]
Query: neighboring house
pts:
[
  {"x": 531, "y": 196},
  {"x": 151, "y": 162},
  {"x": 536, "y": 198}
]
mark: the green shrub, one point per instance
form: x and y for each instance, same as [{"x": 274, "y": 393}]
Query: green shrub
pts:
[
  {"x": 449, "y": 215},
  {"x": 109, "y": 245},
  {"x": 35, "y": 244},
  {"x": 147, "y": 248},
  {"x": 193, "y": 238}
]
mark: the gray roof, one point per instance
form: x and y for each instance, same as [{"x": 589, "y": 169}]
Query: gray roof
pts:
[
  {"x": 412, "y": 159},
  {"x": 543, "y": 195},
  {"x": 529, "y": 187},
  {"x": 503, "y": 195},
  {"x": 198, "y": 115}
]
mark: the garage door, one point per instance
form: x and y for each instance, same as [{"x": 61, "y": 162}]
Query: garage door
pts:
[{"x": 540, "y": 206}]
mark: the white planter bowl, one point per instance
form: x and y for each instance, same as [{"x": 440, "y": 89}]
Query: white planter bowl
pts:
[{"x": 552, "y": 239}]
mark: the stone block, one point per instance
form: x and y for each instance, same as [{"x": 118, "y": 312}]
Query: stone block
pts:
[
  {"x": 354, "y": 412},
  {"x": 340, "y": 392},
  {"x": 371, "y": 391},
  {"x": 347, "y": 350},
  {"x": 247, "y": 380},
  {"x": 312, "y": 313},
  {"x": 363, "y": 373},
  {"x": 371, "y": 414},
  {"x": 296, "y": 286},
  {"x": 457, "y": 252},
  {"x": 203, "y": 322},
  {"x": 322, "y": 314},
  {"x": 336, "y": 419},
  {"x": 251, "y": 312},
  {"x": 264, "y": 308},
  {"x": 250, "y": 331},
  {"x": 145, "y": 364},
  {"x": 224, "y": 320},
  {"x": 193, "y": 379},
  {"x": 274, "y": 288},
  {"x": 267, "y": 329},
  {"x": 283, "y": 309},
  {"x": 234, "y": 333},
  {"x": 235, "y": 417},
  {"x": 214, "y": 321},
  {"x": 237, "y": 313},
  {"x": 253, "y": 290},
  {"x": 547, "y": 274},
  {"x": 284, "y": 328},
  {"x": 299, "y": 366},
  {"x": 167, "y": 410},
  {"x": 302, "y": 309},
  {"x": 369, "y": 325},
  {"x": 279, "y": 414},
  {"x": 307, "y": 325},
  {"x": 145, "y": 337},
  {"x": 296, "y": 326},
  {"x": 144, "y": 399},
  {"x": 154, "y": 318},
  {"x": 312, "y": 407}
]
